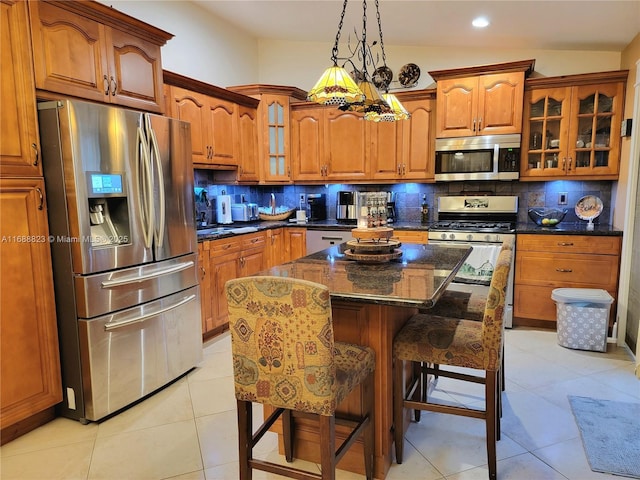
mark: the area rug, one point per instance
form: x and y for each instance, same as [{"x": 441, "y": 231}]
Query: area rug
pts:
[{"x": 610, "y": 432}]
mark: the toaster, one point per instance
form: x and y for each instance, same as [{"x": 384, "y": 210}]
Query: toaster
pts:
[
  {"x": 253, "y": 211},
  {"x": 240, "y": 212}
]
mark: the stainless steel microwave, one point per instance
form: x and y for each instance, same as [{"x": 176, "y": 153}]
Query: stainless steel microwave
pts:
[{"x": 489, "y": 157}]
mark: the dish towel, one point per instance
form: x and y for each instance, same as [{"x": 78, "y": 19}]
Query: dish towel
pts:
[{"x": 479, "y": 265}]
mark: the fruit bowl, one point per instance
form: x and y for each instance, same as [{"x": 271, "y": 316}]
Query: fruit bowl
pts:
[{"x": 547, "y": 217}]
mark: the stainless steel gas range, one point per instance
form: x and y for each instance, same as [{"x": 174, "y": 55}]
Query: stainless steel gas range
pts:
[{"x": 484, "y": 222}]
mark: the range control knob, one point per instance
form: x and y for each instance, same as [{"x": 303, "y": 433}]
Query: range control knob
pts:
[
  {"x": 470, "y": 237},
  {"x": 487, "y": 238},
  {"x": 452, "y": 236},
  {"x": 443, "y": 236}
]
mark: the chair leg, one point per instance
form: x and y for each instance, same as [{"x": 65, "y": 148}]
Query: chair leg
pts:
[
  {"x": 398, "y": 407},
  {"x": 420, "y": 393},
  {"x": 491, "y": 387},
  {"x": 245, "y": 434},
  {"x": 328, "y": 447},
  {"x": 368, "y": 436},
  {"x": 287, "y": 433}
]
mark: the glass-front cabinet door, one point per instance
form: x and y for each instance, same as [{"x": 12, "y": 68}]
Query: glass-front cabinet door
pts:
[
  {"x": 595, "y": 132},
  {"x": 544, "y": 140},
  {"x": 277, "y": 138},
  {"x": 573, "y": 130}
]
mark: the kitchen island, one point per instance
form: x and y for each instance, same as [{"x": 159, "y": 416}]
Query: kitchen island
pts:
[{"x": 370, "y": 303}]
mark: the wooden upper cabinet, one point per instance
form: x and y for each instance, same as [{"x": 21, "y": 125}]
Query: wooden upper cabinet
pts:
[
  {"x": 223, "y": 124},
  {"x": 570, "y": 127},
  {"x": 346, "y": 146},
  {"x": 500, "y": 103},
  {"x": 248, "y": 166},
  {"x": 457, "y": 107},
  {"x": 192, "y": 107},
  {"x": 386, "y": 149},
  {"x": 483, "y": 100},
  {"x": 135, "y": 71},
  {"x": 19, "y": 142},
  {"x": 88, "y": 50},
  {"x": 223, "y": 131},
  {"x": 307, "y": 146}
]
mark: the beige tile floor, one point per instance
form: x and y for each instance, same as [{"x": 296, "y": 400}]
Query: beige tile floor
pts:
[{"x": 188, "y": 430}]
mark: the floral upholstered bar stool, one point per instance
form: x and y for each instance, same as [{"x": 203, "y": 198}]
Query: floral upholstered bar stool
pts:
[
  {"x": 285, "y": 356},
  {"x": 427, "y": 340}
]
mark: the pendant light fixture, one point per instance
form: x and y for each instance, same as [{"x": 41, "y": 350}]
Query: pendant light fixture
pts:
[{"x": 336, "y": 87}]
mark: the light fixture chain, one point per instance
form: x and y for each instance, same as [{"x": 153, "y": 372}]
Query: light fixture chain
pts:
[
  {"x": 384, "y": 58},
  {"x": 334, "y": 52},
  {"x": 364, "y": 37}
]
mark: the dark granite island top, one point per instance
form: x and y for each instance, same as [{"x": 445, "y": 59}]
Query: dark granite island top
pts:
[{"x": 416, "y": 279}]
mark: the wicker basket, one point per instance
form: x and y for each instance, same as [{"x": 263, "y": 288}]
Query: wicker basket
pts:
[{"x": 277, "y": 216}]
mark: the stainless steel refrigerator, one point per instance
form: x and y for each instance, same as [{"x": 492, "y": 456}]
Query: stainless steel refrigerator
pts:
[{"x": 123, "y": 239}]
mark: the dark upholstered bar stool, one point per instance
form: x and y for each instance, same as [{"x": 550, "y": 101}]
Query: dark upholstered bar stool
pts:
[
  {"x": 428, "y": 340},
  {"x": 285, "y": 356}
]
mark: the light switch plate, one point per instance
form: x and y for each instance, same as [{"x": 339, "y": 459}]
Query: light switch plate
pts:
[{"x": 562, "y": 198}]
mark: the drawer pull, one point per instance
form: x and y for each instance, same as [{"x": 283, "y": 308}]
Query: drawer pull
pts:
[
  {"x": 564, "y": 270},
  {"x": 565, "y": 244},
  {"x": 228, "y": 245}
]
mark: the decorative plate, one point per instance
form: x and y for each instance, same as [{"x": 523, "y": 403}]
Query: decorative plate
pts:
[
  {"x": 382, "y": 77},
  {"x": 589, "y": 207},
  {"x": 409, "y": 74}
]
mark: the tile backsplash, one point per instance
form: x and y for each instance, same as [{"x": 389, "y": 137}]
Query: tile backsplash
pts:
[{"x": 409, "y": 195}]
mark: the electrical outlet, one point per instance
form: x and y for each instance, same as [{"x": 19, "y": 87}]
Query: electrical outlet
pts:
[
  {"x": 562, "y": 198},
  {"x": 303, "y": 198}
]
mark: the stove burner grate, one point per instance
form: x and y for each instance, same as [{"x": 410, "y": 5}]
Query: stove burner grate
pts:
[{"x": 480, "y": 226}]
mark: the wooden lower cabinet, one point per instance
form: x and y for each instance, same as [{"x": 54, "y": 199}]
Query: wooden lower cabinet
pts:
[
  {"x": 546, "y": 262},
  {"x": 29, "y": 358},
  {"x": 295, "y": 243},
  {"x": 224, "y": 260},
  {"x": 411, "y": 236}
]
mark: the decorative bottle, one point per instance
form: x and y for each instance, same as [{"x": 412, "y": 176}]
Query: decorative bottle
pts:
[{"x": 424, "y": 210}]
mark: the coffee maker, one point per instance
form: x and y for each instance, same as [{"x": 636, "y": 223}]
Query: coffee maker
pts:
[
  {"x": 346, "y": 207},
  {"x": 391, "y": 207},
  {"x": 316, "y": 207}
]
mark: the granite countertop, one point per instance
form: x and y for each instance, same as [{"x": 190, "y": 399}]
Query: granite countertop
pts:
[
  {"x": 569, "y": 228},
  {"x": 564, "y": 228},
  {"x": 416, "y": 279}
]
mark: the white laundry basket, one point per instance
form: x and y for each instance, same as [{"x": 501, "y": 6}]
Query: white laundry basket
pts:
[{"x": 582, "y": 317}]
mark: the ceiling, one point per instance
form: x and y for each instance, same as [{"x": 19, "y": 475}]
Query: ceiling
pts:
[{"x": 604, "y": 25}]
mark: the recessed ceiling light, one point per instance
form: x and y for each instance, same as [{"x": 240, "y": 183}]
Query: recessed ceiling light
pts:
[{"x": 480, "y": 22}]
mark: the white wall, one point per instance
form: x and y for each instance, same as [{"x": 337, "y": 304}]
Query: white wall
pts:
[
  {"x": 204, "y": 47},
  {"x": 301, "y": 63}
]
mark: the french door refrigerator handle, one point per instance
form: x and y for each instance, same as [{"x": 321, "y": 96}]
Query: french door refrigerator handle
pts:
[
  {"x": 149, "y": 276},
  {"x": 142, "y": 318},
  {"x": 145, "y": 205},
  {"x": 155, "y": 156}
]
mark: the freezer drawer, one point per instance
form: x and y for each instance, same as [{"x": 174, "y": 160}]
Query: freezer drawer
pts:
[
  {"x": 129, "y": 354},
  {"x": 102, "y": 293}
]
